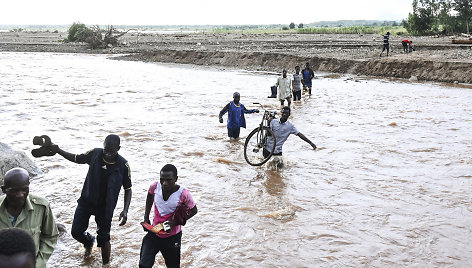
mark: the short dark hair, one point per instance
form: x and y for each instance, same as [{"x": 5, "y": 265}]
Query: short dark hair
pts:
[
  {"x": 16, "y": 240},
  {"x": 112, "y": 140},
  {"x": 287, "y": 108},
  {"x": 169, "y": 167}
]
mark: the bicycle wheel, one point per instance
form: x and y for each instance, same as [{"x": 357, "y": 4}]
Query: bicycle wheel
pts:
[{"x": 254, "y": 145}]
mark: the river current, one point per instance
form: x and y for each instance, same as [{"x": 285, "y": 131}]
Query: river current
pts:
[{"x": 389, "y": 186}]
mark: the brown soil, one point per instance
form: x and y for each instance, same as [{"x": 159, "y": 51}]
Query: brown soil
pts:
[{"x": 435, "y": 59}]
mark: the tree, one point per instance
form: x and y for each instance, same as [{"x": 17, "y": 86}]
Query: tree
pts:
[
  {"x": 464, "y": 10},
  {"x": 300, "y": 26},
  {"x": 292, "y": 25},
  {"x": 424, "y": 19},
  {"x": 78, "y": 32}
]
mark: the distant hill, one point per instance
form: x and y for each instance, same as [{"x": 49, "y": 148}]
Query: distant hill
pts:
[
  {"x": 338, "y": 23},
  {"x": 348, "y": 23}
]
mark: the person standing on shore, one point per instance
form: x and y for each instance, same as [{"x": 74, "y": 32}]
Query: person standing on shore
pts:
[
  {"x": 284, "y": 91},
  {"x": 173, "y": 206},
  {"x": 308, "y": 75},
  {"x": 20, "y": 209},
  {"x": 386, "y": 45},
  {"x": 108, "y": 172},
  {"x": 297, "y": 84},
  {"x": 236, "y": 120},
  {"x": 407, "y": 45}
]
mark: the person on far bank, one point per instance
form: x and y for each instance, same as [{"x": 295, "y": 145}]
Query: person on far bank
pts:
[
  {"x": 20, "y": 209},
  {"x": 108, "y": 172},
  {"x": 236, "y": 120},
  {"x": 173, "y": 206},
  {"x": 297, "y": 84},
  {"x": 282, "y": 128},
  {"x": 386, "y": 44},
  {"x": 284, "y": 91},
  {"x": 308, "y": 76},
  {"x": 407, "y": 45}
]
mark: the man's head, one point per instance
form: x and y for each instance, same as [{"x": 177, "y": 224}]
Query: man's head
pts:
[
  {"x": 16, "y": 187},
  {"x": 111, "y": 146},
  {"x": 17, "y": 249},
  {"x": 297, "y": 69},
  {"x": 168, "y": 177},
  {"x": 285, "y": 114},
  {"x": 307, "y": 65},
  {"x": 236, "y": 97},
  {"x": 284, "y": 73},
  {"x": 388, "y": 33}
]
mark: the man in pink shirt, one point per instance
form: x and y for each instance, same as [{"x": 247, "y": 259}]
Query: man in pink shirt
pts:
[{"x": 173, "y": 206}]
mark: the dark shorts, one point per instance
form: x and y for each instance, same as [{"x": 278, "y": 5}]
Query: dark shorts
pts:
[
  {"x": 385, "y": 46},
  {"x": 297, "y": 95},
  {"x": 169, "y": 247},
  {"x": 81, "y": 222},
  {"x": 233, "y": 132}
]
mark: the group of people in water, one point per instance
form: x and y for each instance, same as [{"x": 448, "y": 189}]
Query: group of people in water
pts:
[
  {"x": 29, "y": 233},
  {"x": 281, "y": 127},
  {"x": 29, "y": 219}
]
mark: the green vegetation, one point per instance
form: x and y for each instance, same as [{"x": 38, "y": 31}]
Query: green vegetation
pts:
[
  {"x": 439, "y": 16},
  {"x": 398, "y": 30},
  {"x": 78, "y": 32}
]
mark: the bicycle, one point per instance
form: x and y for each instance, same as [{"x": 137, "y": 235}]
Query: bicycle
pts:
[{"x": 257, "y": 140}]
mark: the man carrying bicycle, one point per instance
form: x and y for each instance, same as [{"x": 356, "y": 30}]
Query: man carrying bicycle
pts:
[{"x": 282, "y": 128}]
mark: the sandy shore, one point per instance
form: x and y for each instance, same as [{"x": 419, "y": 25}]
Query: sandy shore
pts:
[{"x": 435, "y": 59}]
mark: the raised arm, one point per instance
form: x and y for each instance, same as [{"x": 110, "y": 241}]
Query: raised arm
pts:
[
  {"x": 67, "y": 155},
  {"x": 246, "y": 111},
  {"x": 307, "y": 140}
]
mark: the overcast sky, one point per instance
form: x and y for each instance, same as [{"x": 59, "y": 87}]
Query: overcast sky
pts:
[{"x": 198, "y": 12}]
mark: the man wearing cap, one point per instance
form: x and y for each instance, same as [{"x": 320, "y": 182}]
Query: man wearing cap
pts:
[
  {"x": 20, "y": 209},
  {"x": 236, "y": 120}
]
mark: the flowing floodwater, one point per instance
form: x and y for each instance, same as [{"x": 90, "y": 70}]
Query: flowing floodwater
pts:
[{"x": 389, "y": 186}]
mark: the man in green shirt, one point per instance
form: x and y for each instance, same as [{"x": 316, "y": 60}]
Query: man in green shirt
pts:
[{"x": 29, "y": 212}]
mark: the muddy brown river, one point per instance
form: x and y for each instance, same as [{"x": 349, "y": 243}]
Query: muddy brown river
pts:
[{"x": 389, "y": 186}]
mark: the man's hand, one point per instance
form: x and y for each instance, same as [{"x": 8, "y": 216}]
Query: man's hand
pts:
[
  {"x": 221, "y": 120},
  {"x": 123, "y": 217},
  {"x": 146, "y": 220},
  {"x": 313, "y": 145}
]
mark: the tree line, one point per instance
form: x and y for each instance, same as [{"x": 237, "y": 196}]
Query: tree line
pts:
[{"x": 439, "y": 17}]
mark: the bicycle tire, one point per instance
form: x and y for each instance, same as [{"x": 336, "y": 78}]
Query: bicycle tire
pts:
[{"x": 253, "y": 147}]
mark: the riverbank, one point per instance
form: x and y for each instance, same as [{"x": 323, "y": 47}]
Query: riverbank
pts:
[{"x": 435, "y": 59}]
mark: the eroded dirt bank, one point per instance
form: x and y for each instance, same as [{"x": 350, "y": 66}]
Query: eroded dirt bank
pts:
[
  {"x": 435, "y": 59},
  {"x": 443, "y": 71}
]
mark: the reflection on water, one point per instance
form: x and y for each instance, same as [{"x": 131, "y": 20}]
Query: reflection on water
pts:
[{"x": 389, "y": 186}]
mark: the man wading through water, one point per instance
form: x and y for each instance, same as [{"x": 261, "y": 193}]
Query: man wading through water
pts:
[{"x": 108, "y": 172}]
